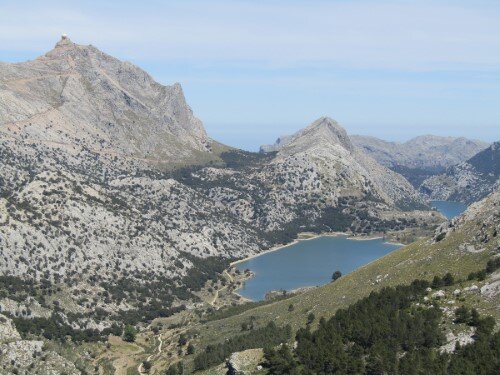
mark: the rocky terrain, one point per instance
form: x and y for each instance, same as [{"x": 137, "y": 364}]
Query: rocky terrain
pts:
[
  {"x": 18, "y": 356},
  {"x": 468, "y": 247},
  {"x": 115, "y": 206},
  {"x": 77, "y": 97},
  {"x": 468, "y": 181},
  {"x": 486, "y": 211},
  {"x": 416, "y": 159},
  {"x": 425, "y": 152}
]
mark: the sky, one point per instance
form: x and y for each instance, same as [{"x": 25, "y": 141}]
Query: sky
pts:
[{"x": 255, "y": 70}]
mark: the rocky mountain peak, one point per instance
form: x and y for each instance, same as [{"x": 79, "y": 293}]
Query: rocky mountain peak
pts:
[
  {"x": 66, "y": 48},
  {"x": 329, "y": 130},
  {"x": 64, "y": 42},
  {"x": 322, "y": 133},
  {"x": 78, "y": 96},
  {"x": 325, "y": 148}
]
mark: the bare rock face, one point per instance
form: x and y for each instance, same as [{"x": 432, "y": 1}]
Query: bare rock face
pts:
[
  {"x": 486, "y": 211},
  {"x": 245, "y": 362},
  {"x": 8, "y": 331},
  {"x": 18, "y": 356},
  {"x": 78, "y": 96}
]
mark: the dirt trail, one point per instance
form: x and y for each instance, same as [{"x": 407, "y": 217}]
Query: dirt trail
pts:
[
  {"x": 139, "y": 368},
  {"x": 231, "y": 279},
  {"x": 125, "y": 360}
]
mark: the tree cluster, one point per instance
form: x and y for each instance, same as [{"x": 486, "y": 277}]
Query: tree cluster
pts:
[
  {"x": 389, "y": 333},
  {"x": 268, "y": 336}
]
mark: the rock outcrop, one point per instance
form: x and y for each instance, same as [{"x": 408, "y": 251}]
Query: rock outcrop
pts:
[{"x": 18, "y": 356}]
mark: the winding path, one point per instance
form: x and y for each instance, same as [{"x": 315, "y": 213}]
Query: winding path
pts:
[
  {"x": 160, "y": 345},
  {"x": 139, "y": 368}
]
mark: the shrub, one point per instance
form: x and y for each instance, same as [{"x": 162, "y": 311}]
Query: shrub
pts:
[
  {"x": 336, "y": 275},
  {"x": 129, "y": 333}
]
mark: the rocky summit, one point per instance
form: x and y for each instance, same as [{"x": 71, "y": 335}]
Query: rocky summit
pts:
[
  {"x": 78, "y": 98},
  {"x": 325, "y": 146}
]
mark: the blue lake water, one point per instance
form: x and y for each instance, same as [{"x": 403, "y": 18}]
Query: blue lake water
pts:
[
  {"x": 449, "y": 209},
  {"x": 309, "y": 263}
]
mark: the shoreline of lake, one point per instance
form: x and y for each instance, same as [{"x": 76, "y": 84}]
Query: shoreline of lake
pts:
[
  {"x": 305, "y": 261},
  {"x": 306, "y": 236},
  {"x": 302, "y": 237}
]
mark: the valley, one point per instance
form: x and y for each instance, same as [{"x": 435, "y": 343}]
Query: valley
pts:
[{"x": 132, "y": 242}]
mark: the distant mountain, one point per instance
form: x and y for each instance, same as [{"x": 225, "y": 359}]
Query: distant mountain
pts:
[
  {"x": 318, "y": 182},
  {"x": 326, "y": 146},
  {"x": 77, "y": 97},
  {"x": 426, "y": 152},
  {"x": 469, "y": 181},
  {"x": 416, "y": 159}
]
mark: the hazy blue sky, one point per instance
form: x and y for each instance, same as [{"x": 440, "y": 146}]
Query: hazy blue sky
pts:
[{"x": 254, "y": 70}]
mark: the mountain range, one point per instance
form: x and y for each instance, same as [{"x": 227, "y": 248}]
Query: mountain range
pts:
[
  {"x": 117, "y": 208},
  {"x": 89, "y": 195},
  {"x": 468, "y": 181},
  {"x": 424, "y": 152}
]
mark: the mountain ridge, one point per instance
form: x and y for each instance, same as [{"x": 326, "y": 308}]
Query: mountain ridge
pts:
[
  {"x": 81, "y": 96},
  {"x": 425, "y": 151}
]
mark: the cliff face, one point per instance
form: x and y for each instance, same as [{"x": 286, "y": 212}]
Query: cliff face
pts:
[{"x": 79, "y": 97}]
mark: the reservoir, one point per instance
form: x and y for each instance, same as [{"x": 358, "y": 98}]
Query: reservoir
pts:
[
  {"x": 312, "y": 262},
  {"x": 449, "y": 209},
  {"x": 309, "y": 263}
]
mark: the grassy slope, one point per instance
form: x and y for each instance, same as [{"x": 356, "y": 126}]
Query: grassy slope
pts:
[{"x": 422, "y": 259}]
